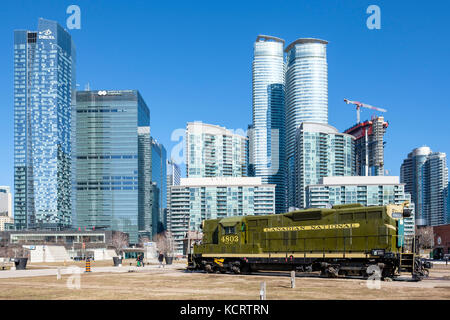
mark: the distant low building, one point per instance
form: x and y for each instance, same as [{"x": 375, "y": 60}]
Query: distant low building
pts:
[
  {"x": 6, "y": 215},
  {"x": 67, "y": 238},
  {"x": 441, "y": 240},
  {"x": 5, "y": 222}
]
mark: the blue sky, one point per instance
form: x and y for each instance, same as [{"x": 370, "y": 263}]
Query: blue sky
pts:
[{"x": 191, "y": 60}]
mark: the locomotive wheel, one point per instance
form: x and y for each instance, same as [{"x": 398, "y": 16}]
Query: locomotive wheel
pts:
[
  {"x": 208, "y": 268},
  {"x": 329, "y": 272},
  {"x": 236, "y": 269}
]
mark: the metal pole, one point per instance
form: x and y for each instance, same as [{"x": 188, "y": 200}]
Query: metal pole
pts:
[
  {"x": 262, "y": 291},
  {"x": 292, "y": 279},
  {"x": 357, "y": 114},
  {"x": 367, "y": 152}
]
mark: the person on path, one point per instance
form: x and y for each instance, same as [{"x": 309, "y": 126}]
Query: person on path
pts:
[{"x": 161, "y": 259}]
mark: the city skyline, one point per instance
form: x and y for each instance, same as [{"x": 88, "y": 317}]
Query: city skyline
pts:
[{"x": 392, "y": 166}]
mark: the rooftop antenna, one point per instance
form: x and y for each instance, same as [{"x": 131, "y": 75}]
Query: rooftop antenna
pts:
[{"x": 87, "y": 87}]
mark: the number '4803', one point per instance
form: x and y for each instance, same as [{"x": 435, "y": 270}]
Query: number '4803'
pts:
[{"x": 230, "y": 239}]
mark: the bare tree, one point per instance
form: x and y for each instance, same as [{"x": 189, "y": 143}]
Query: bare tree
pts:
[
  {"x": 143, "y": 240},
  {"x": 14, "y": 251},
  {"x": 425, "y": 237},
  {"x": 164, "y": 243},
  {"x": 119, "y": 241}
]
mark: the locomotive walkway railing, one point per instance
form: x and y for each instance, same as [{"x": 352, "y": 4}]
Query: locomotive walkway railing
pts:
[{"x": 342, "y": 245}]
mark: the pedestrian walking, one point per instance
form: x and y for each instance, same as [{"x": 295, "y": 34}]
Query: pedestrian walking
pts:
[
  {"x": 138, "y": 262},
  {"x": 161, "y": 259}
]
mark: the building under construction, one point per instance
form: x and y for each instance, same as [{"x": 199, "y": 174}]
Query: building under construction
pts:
[{"x": 369, "y": 146}]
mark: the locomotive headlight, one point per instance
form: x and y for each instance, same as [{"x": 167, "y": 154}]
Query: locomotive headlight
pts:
[{"x": 407, "y": 212}]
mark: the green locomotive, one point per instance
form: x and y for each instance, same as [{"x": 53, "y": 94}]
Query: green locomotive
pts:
[{"x": 344, "y": 240}]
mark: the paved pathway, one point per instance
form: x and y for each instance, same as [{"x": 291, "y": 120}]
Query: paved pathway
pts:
[{"x": 5, "y": 274}]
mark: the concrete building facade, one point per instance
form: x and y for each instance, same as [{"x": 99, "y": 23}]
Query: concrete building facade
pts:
[
  {"x": 214, "y": 151},
  {"x": 198, "y": 199},
  {"x": 6, "y": 215},
  {"x": 368, "y": 191}
]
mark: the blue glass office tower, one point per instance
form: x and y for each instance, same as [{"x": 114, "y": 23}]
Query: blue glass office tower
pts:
[
  {"x": 44, "y": 88},
  {"x": 306, "y": 95},
  {"x": 159, "y": 186},
  {"x": 113, "y": 161},
  {"x": 267, "y": 132}
]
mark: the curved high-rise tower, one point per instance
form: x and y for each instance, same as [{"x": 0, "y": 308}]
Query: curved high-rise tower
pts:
[
  {"x": 267, "y": 133},
  {"x": 306, "y": 95},
  {"x": 425, "y": 175}
]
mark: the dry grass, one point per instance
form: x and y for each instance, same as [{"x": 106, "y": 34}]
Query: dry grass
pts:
[{"x": 177, "y": 284}]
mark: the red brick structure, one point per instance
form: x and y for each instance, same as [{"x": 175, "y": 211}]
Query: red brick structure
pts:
[{"x": 442, "y": 239}]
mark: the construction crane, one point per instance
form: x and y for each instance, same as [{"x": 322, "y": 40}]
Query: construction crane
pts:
[{"x": 358, "y": 108}]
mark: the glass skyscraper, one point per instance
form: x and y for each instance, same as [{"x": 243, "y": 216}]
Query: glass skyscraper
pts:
[
  {"x": 159, "y": 183},
  {"x": 306, "y": 95},
  {"x": 321, "y": 151},
  {"x": 173, "y": 179},
  {"x": 267, "y": 133},
  {"x": 146, "y": 200},
  {"x": 113, "y": 161},
  {"x": 44, "y": 88},
  {"x": 425, "y": 175},
  {"x": 447, "y": 203},
  {"x": 214, "y": 151}
]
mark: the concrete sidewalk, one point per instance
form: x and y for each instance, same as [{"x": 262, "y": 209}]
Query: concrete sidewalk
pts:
[{"x": 6, "y": 274}]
